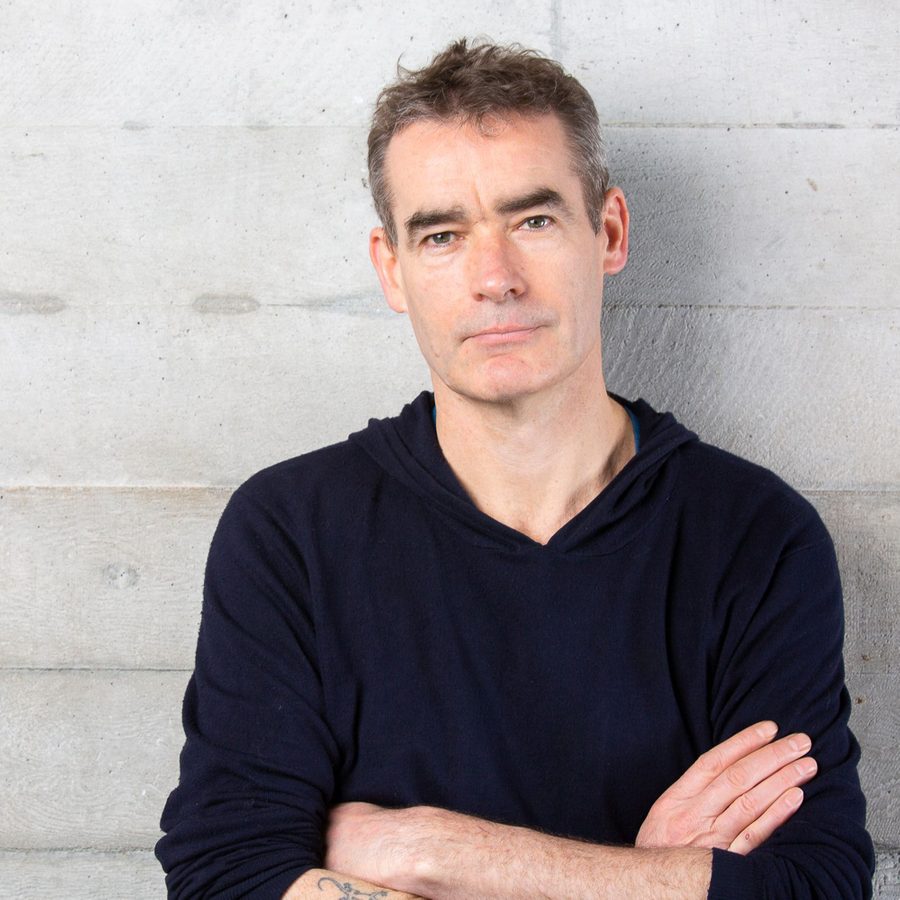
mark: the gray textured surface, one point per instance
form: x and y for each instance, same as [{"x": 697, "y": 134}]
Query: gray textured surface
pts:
[
  {"x": 743, "y": 64},
  {"x": 94, "y": 754},
  {"x": 887, "y": 874},
  {"x": 209, "y": 63},
  {"x": 129, "y": 563},
  {"x": 185, "y": 297},
  {"x": 80, "y": 874}
]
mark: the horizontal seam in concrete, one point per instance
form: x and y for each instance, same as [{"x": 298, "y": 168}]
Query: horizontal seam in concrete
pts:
[
  {"x": 786, "y": 126},
  {"x": 220, "y": 489},
  {"x": 347, "y": 306},
  {"x": 118, "y": 488},
  {"x": 325, "y": 126},
  {"x": 99, "y": 670},
  {"x": 212, "y": 126},
  {"x": 879, "y": 491},
  {"x": 852, "y": 491},
  {"x": 86, "y": 850},
  {"x": 790, "y": 307}
]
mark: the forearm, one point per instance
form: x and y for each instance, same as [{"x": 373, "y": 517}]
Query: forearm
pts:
[
  {"x": 323, "y": 884},
  {"x": 478, "y": 859},
  {"x": 445, "y": 855}
]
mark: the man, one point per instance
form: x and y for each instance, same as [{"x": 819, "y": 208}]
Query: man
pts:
[{"x": 527, "y": 638}]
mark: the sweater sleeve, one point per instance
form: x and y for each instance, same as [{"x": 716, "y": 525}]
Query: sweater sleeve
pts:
[
  {"x": 780, "y": 658},
  {"x": 248, "y": 814}
]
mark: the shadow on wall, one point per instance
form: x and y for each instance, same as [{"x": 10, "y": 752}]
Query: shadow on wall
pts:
[
  {"x": 665, "y": 336},
  {"x": 733, "y": 315},
  {"x": 866, "y": 527}
]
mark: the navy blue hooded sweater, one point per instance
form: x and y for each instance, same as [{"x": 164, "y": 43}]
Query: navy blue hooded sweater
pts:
[{"x": 368, "y": 634}]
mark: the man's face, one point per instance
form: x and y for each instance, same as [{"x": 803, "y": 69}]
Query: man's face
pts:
[{"x": 496, "y": 262}]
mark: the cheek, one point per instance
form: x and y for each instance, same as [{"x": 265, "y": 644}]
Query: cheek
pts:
[
  {"x": 432, "y": 328},
  {"x": 433, "y": 309},
  {"x": 585, "y": 288}
]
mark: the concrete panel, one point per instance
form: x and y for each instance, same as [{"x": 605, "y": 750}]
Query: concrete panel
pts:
[
  {"x": 866, "y": 530},
  {"x": 242, "y": 63},
  {"x": 85, "y": 875},
  {"x": 173, "y": 396},
  {"x": 220, "y": 218},
  {"x": 876, "y": 722},
  {"x": 743, "y": 62},
  {"x": 112, "y": 578},
  {"x": 94, "y": 755},
  {"x": 178, "y": 396},
  {"x": 784, "y": 388},
  {"x": 887, "y": 874},
  {"x": 136, "y": 63},
  {"x": 226, "y": 218},
  {"x": 759, "y": 217},
  {"x": 103, "y": 578}
]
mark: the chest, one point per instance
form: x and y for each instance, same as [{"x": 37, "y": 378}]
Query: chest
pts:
[{"x": 559, "y": 693}]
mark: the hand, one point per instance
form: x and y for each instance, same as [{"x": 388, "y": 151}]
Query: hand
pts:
[{"x": 735, "y": 795}]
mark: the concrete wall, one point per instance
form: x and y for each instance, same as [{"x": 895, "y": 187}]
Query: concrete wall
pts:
[{"x": 185, "y": 297}]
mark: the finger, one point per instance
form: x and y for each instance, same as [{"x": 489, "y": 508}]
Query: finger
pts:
[
  {"x": 774, "y": 817},
  {"x": 747, "y": 808},
  {"x": 746, "y": 773},
  {"x": 717, "y": 759}
]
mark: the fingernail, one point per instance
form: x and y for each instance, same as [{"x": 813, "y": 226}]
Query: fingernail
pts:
[
  {"x": 768, "y": 729},
  {"x": 794, "y": 797},
  {"x": 806, "y": 766},
  {"x": 800, "y": 742}
]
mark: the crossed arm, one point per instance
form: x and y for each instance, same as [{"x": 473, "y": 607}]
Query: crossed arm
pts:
[
  {"x": 247, "y": 816},
  {"x": 732, "y": 798}
]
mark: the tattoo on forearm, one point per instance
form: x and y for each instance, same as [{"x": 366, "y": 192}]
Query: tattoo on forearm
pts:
[{"x": 348, "y": 892}]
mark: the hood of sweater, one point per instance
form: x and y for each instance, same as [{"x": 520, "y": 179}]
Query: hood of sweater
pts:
[{"x": 406, "y": 447}]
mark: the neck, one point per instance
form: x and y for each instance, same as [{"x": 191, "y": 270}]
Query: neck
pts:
[{"x": 536, "y": 462}]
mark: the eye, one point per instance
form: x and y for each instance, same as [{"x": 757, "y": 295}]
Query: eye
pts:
[
  {"x": 537, "y": 223},
  {"x": 440, "y": 239}
]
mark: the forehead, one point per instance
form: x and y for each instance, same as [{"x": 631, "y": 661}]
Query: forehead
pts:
[{"x": 437, "y": 163}]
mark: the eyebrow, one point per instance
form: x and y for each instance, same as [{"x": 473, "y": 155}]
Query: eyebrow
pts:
[
  {"x": 428, "y": 218},
  {"x": 542, "y": 196},
  {"x": 455, "y": 215}
]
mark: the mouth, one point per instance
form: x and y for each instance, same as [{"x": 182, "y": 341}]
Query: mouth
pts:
[{"x": 504, "y": 334}]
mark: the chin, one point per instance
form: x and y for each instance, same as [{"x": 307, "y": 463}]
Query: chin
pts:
[
  {"x": 497, "y": 390},
  {"x": 501, "y": 379}
]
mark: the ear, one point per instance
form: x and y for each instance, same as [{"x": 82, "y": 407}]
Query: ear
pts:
[
  {"x": 615, "y": 230},
  {"x": 384, "y": 257}
]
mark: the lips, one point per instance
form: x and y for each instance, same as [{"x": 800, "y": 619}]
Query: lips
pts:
[{"x": 504, "y": 334}]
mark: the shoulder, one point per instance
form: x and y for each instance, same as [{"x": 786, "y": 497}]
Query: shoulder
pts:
[
  {"x": 737, "y": 492},
  {"x": 331, "y": 466},
  {"x": 308, "y": 489}
]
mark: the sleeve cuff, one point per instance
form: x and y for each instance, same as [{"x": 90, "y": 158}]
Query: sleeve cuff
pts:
[{"x": 734, "y": 877}]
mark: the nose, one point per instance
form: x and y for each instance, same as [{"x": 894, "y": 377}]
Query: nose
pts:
[{"x": 496, "y": 272}]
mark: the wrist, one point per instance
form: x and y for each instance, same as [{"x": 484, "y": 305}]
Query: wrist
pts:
[{"x": 420, "y": 848}]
